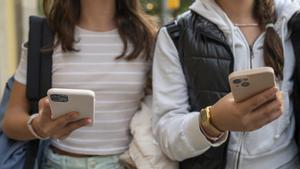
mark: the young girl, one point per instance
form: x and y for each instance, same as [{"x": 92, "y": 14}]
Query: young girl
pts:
[
  {"x": 101, "y": 45},
  {"x": 194, "y": 110}
]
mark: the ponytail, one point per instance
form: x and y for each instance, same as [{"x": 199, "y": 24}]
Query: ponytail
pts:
[{"x": 273, "y": 49}]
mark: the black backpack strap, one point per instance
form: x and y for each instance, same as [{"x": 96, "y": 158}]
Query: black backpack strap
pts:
[
  {"x": 39, "y": 69},
  {"x": 39, "y": 73},
  {"x": 46, "y": 60},
  {"x": 174, "y": 31},
  {"x": 33, "y": 62}
]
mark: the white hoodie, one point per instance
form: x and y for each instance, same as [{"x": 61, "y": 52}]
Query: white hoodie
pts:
[{"x": 177, "y": 129}]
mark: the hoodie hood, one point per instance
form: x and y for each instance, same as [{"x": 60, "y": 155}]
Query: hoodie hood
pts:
[{"x": 210, "y": 10}]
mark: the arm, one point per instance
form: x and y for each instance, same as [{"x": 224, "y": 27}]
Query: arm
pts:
[
  {"x": 17, "y": 113},
  {"x": 176, "y": 129},
  {"x": 16, "y": 116}
]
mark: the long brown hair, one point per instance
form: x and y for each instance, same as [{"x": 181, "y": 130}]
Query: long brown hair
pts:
[
  {"x": 273, "y": 50},
  {"x": 134, "y": 25}
]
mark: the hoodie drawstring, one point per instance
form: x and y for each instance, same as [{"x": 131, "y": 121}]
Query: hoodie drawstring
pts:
[{"x": 282, "y": 32}]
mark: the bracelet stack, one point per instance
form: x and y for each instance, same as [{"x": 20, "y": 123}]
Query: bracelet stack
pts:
[{"x": 29, "y": 125}]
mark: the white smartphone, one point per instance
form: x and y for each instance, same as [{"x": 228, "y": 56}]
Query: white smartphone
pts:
[
  {"x": 63, "y": 101},
  {"x": 247, "y": 83}
]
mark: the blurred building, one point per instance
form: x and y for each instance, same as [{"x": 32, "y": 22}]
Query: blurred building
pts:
[
  {"x": 13, "y": 30},
  {"x": 166, "y": 10}
]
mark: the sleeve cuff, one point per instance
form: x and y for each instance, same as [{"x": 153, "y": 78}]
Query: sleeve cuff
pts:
[
  {"x": 221, "y": 140},
  {"x": 20, "y": 79},
  {"x": 195, "y": 136}
]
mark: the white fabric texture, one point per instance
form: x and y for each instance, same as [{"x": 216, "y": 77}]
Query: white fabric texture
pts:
[{"x": 144, "y": 151}]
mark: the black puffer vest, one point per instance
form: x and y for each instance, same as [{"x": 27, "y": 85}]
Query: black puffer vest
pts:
[{"x": 207, "y": 60}]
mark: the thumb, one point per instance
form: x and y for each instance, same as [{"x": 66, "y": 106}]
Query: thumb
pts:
[{"x": 44, "y": 109}]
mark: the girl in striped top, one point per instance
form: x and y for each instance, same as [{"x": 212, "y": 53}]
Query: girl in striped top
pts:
[{"x": 101, "y": 45}]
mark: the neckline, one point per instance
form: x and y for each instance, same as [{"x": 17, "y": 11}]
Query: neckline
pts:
[{"x": 81, "y": 29}]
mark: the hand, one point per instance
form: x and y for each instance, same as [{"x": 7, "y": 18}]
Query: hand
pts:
[
  {"x": 248, "y": 115},
  {"x": 59, "y": 128}
]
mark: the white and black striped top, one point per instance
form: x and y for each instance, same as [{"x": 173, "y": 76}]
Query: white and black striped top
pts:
[{"x": 118, "y": 84}]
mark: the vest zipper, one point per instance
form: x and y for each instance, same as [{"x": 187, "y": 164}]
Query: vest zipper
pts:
[
  {"x": 240, "y": 150},
  {"x": 251, "y": 56}
]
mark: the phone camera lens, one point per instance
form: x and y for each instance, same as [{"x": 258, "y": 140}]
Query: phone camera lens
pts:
[
  {"x": 245, "y": 84},
  {"x": 237, "y": 81},
  {"x": 59, "y": 98}
]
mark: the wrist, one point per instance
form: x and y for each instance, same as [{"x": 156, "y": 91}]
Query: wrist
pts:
[
  {"x": 214, "y": 121},
  {"x": 210, "y": 135},
  {"x": 34, "y": 127},
  {"x": 207, "y": 125}
]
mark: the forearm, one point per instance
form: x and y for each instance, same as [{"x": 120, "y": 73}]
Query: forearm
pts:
[
  {"x": 16, "y": 115},
  {"x": 15, "y": 126}
]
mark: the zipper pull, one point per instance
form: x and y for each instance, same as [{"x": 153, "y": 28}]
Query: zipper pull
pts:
[
  {"x": 251, "y": 52},
  {"x": 251, "y": 56}
]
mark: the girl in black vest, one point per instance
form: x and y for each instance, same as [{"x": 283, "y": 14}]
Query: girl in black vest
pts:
[{"x": 196, "y": 120}]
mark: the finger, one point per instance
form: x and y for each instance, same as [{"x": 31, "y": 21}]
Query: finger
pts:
[
  {"x": 256, "y": 101},
  {"x": 275, "y": 115},
  {"x": 280, "y": 97},
  {"x": 62, "y": 121},
  {"x": 70, "y": 127},
  {"x": 268, "y": 108},
  {"x": 64, "y": 137},
  {"x": 265, "y": 113},
  {"x": 77, "y": 124},
  {"x": 61, "y": 135}
]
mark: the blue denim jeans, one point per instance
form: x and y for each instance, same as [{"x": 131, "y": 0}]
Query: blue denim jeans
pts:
[{"x": 57, "y": 161}]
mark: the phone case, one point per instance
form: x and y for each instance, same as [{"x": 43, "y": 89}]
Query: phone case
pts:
[
  {"x": 247, "y": 83},
  {"x": 63, "y": 101}
]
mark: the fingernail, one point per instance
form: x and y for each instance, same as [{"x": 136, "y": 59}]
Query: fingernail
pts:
[
  {"x": 89, "y": 121},
  {"x": 274, "y": 92},
  {"x": 73, "y": 115}
]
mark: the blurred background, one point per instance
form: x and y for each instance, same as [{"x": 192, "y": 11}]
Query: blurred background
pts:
[{"x": 14, "y": 16}]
